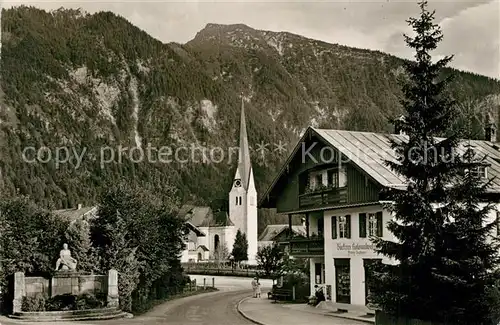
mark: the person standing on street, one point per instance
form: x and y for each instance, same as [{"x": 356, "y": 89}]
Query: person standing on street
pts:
[
  {"x": 258, "y": 289},
  {"x": 254, "y": 287}
]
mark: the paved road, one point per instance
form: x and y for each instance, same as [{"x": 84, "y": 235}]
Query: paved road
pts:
[
  {"x": 230, "y": 283},
  {"x": 217, "y": 308}
]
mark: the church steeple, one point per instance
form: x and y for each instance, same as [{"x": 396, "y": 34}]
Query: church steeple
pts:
[
  {"x": 244, "y": 163},
  {"x": 243, "y": 194}
]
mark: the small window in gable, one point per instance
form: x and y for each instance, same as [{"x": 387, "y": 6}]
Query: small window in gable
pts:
[{"x": 479, "y": 171}]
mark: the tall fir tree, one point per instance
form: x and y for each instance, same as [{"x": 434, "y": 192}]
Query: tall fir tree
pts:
[
  {"x": 434, "y": 277},
  {"x": 240, "y": 247},
  {"x": 470, "y": 250}
]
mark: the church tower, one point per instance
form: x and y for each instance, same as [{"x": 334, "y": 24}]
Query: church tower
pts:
[{"x": 243, "y": 195}]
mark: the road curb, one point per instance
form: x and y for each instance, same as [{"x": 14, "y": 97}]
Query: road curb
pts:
[
  {"x": 357, "y": 319},
  {"x": 242, "y": 313},
  {"x": 354, "y": 318}
]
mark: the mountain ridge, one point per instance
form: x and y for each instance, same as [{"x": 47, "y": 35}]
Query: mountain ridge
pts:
[{"x": 95, "y": 81}]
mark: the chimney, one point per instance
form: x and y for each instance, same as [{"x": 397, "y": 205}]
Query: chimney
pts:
[
  {"x": 398, "y": 126},
  {"x": 79, "y": 206}
]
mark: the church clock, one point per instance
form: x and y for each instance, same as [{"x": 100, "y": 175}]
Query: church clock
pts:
[{"x": 237, "y": 183}]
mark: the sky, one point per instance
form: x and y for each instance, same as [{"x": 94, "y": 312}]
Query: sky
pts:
[{"x": 471, "y": 28}]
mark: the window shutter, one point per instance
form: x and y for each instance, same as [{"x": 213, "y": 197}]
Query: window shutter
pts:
[
  {"x": 498, "y": 224},
  {"x": 334, "y": 227},
  {"x": 348, "y": 225},
  {"x": 380, "y": 224},
  {"x": 362, "y": 225}
]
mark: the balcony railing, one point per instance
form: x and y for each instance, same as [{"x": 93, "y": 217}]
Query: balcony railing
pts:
[
  {"x": 307, "y": 247},
  {"x": 324, "y": 197}
]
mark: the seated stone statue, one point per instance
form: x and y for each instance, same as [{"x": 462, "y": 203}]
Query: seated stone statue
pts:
[{"x": 65, "y": 259}]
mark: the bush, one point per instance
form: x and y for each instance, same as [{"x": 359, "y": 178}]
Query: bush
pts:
[
  {"x": 34, "y": 304},
  {"x": 492, "y": 295},
  {"x": 61, "y": 302},
  {"x": 90, "y": 301},
  {"x": 186, "y": 280}
]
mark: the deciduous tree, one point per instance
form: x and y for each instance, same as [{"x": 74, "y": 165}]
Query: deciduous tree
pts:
[{"x": 270, "y": 259}]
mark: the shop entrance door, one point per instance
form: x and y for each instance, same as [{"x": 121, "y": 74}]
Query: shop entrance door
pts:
[{"x": 342, "y": 280}]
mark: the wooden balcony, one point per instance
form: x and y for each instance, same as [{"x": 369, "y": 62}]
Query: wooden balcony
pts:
[
  {"x": 307, "y": 247},
  {"x": 323, "y": 198}
]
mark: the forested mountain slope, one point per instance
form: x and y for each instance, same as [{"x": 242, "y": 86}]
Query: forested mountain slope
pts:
[{"x": 85, "y": 82}]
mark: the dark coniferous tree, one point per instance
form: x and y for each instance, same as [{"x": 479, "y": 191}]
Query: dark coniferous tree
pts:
[
  {"x": 240, "y": 247},
  {"x": 443, "y": 260}
]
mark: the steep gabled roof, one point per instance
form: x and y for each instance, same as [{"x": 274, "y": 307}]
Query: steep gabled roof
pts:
[
  {"x": 221, "y": 219},
  {"x": 198, "y": 216},
  {"x": 204, "y": 248},
  {"x": 271, "y": 231},
  {"x": 203, "y": 216},
  {"x": 195, "y": 229},
  {"x": 368, "y": 152}
]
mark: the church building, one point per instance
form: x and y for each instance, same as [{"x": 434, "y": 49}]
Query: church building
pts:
[{"x": 212, "y": 233}]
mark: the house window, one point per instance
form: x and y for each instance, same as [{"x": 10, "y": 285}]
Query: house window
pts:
[
  {"x": 333, "y": 178},
  {"x": 342, "y": 177},
  {"x": 334, "y": 227},
  {"x": 318, "y": 181},
  {"x": 216, "y": 242},
  {"x": 321, "y": 226},
  {"x": 370, "y": 224},
  {"x": 344, "y": 226},
  {"x": 480, "y": 171}
]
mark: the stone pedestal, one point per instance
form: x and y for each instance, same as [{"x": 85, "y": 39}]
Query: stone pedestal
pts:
[
  {"x": 19, "y": 291},
  {"x": 65, "y": 283},
  {"x": 113, "y": 296}
]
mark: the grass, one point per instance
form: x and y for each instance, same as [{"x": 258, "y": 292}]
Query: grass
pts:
[{"x": 154, "y": 303}]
